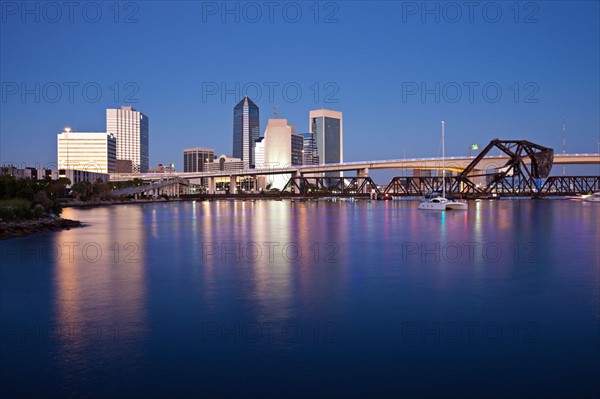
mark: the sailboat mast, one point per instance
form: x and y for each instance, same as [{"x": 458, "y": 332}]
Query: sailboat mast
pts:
[{"x": 443, "y": 163}]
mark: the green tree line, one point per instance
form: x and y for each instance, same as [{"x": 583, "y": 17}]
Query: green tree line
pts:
[{"x": 26, "y": 198}]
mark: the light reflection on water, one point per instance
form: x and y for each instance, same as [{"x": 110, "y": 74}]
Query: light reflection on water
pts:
[
  {"x": 100, "y": 294},
  {"x": 360, "y": 270}
]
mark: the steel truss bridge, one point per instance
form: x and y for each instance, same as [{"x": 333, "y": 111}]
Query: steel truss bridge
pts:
[{"x": 417, "y": 186}]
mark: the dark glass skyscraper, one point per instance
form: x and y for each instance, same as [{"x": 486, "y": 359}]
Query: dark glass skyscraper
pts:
[
  {"x": 326, "y": 125},
  {"x": 246, "y": 130},
  {"x": 195, "y": 159},
  {"x": 310, "y": 153},
  {"x": 297, "y": 149}
]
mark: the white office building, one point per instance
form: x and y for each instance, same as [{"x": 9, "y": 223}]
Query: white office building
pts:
[
  {"x": 93, "y": 152},
  {"x": 277, "y": 150},
  {"x": 226, "y": 163},
  {"x": 259, "y": 153},
  {"x": 130, "y": 127}
]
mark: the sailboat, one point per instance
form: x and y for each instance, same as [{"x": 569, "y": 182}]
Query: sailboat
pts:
[{"x": 435, "y": 202}]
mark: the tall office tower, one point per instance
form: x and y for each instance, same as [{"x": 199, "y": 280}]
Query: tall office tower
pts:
[
  {"x": 130, "y": 127},
  {"x": 195, "y": 159},
  {"x": 93, "y": 152},
  {"x": 327, "y": 127},
  {"x": 277, "y": 150},
  {"x": 246, "y": 130},
  {"x": 310, "y": 154},
  {"x": 297, "y": 149}
]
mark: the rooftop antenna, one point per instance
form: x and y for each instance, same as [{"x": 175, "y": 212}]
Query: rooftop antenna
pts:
[{"x": 564, "y": 146}]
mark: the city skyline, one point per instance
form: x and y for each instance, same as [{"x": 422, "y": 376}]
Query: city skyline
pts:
[
  {"x": 333, "y": 199},
  {"x": 398, "y": 98},
  {"x": 127, "y": 120}
]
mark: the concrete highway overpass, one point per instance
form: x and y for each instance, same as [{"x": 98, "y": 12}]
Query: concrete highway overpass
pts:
[{"x": 362, "y": 168}]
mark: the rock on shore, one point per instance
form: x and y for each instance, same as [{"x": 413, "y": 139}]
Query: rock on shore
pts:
[{"x": 24, "y": 227}]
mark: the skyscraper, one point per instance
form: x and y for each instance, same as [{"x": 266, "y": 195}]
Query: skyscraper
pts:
[
  {"x": 327, "y": 127},
  {"x": 310, "y": 154},
  {"x": 297, "y": 149},
  {"x": 130, "y": 127},
  {"x": 278, "y": 150},
  {"x": 259, "y": 153},
  {"x": 246, "y": 130}
]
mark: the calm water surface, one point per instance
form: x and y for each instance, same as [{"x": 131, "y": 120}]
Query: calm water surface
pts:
[{"x": 291, "y": 299}]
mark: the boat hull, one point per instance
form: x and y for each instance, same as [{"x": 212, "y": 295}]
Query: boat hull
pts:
[{"x": 457, "y": 206}]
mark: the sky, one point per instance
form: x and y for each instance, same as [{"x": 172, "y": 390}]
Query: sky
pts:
[{"x": 508, "y": 70}]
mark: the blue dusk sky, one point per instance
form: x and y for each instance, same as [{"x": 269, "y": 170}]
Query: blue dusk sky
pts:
[{"x": 508, "y": 70}]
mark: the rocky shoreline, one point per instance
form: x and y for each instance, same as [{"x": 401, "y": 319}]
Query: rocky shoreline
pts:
[{"x": 25, "y": 227}]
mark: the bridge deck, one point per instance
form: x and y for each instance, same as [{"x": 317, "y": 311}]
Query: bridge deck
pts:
[{"x": 451, "y": 163}]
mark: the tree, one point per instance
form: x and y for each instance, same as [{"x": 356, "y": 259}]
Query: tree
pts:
[
  {"x": 41, "y": 198},
  {"x": 58, "y": 188},
  {"x": 101, "y": 190},
  {"x": 82, "y": 190},
  {"x": 25, "y": 188},
  {"x": 8, "y": 186}
]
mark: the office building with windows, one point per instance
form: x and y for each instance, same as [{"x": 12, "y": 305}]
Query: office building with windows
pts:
[
  {"x": 226, "y": 163},
  {"x": 131, "y": 129},
  {"x": 297, "y": 149},
  {"x": 326, "y": 125},
  {"x": 310, "y": 154},
  {"x": 246, "y": 130},
  {"x": 259, "y": 153},
  {"x": 195, "y": 159},
  {"x": 94, "y": 152},
  {"x": 277, "y": 150}
]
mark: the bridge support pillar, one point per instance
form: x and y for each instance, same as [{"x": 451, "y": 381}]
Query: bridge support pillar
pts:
[
  {"x": 212, "y": 187},
  {"x": 232, "y": 188},
  {"x": 361, "y": 175},
  {"x": 260, "y": 183},
  {"x": 296, "y": 173}
]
